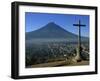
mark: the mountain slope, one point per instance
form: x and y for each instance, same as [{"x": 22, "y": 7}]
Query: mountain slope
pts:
[{"x": 51, "y": 30}]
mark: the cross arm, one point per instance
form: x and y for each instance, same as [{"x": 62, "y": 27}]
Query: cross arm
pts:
[{"x": 78, "y": 25}]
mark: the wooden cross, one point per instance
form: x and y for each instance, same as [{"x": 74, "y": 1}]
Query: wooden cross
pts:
[{"x": 79, "y": 25}]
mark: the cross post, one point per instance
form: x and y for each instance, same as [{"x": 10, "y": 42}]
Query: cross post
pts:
[{"x": 79, "y": 25}]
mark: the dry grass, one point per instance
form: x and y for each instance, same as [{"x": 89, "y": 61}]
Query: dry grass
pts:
[{"x": 59, "y": 63}]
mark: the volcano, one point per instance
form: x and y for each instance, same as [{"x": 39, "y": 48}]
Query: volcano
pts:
[{"x": 52, "y": 31}]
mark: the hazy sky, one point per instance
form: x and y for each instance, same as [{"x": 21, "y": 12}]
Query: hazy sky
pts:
[{"x": 34, "y": 21}]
